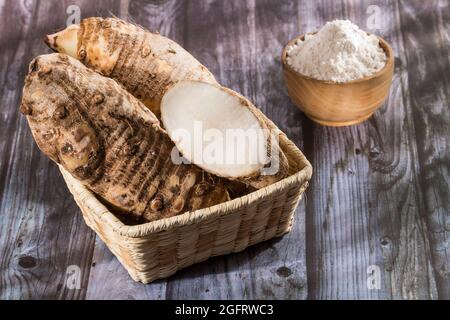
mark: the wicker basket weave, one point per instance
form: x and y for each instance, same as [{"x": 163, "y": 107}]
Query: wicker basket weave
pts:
[{"x": 158, "y": 249}]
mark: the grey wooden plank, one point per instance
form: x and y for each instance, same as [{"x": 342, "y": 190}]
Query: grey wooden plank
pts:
[
  {"x": 404, "y": 238},
  {"x": 281, "y": 266},
  {"x": 33, "y": 265},
  {"x": 108, "y": 280},
  {"x": 398, "y": 202},
  {"x": 41, "y": 230},
  {"x": 367, "y": 206},
  {"x": 426, "y": 33}
]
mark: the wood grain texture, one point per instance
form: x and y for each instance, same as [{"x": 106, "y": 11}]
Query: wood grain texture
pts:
[
  {"x": 426, "y": 26},
  {"x": 40, "y": 234},
  {"x": 397, "y": 201},
  {"x": 379, "y": 196},
  {"x": 108, "y": 280},
  {"x": 366, "y": 203}
]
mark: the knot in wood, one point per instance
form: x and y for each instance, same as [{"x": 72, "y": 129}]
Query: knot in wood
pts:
[
  {"x": 284, "y": 271},
  {"x": 27, "y": 262},
  {"x": 385, "y": 241}
]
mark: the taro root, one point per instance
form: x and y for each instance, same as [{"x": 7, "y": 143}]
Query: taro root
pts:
[
  {"x": 111, "y": 142},
  {"x": 148, "y": 65},
  {"x": 144, "y": 63},
  {"x": 223, "y": 133}
]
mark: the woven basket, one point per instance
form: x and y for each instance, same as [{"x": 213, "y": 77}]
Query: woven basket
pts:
[{"x": 160, "y": 248}]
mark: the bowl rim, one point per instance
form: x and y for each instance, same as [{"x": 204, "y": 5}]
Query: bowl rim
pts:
[{"x": 383, "y": 44}]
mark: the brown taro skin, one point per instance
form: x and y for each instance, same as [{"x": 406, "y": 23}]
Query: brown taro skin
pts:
[
  {"x": 110, "y": 141},
  {"x": 145, "y": 63}
]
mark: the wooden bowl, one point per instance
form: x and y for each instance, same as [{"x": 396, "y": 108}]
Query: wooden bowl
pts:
[{"x": 339, "y": 104}]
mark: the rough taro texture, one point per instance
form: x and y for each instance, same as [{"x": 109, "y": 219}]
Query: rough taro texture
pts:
[
  {"x": 143, "y": 62},
  {"x": 110, "y": 141},
  {"x": 147, "y": 64}
]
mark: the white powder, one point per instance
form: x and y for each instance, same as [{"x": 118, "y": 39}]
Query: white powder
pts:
[{"x": 339, "y": 52}]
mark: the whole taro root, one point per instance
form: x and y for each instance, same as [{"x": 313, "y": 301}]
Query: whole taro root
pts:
[
  {"x": 110, "y": 141},
  {"x": 144, "y": 63}
]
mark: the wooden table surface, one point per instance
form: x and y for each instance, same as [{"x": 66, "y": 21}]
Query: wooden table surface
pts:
[{"x": 378, "y": 207}]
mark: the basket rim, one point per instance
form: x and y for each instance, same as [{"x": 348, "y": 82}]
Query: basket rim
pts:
[{"x": 84, "y": 195}]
